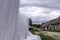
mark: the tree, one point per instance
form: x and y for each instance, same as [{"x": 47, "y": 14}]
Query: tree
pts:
[
  {"x": 36, "y": 25},
  {"x": 30, "y": 21}
]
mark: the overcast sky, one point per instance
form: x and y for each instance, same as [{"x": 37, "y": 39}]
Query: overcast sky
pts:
[{"x": 40, "y": 10}]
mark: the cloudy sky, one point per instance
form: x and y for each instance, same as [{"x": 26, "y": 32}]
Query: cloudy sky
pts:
[{"x": 40, "y": 10}]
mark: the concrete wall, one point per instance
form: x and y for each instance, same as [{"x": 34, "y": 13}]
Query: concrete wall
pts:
[
  {"x": 58, "y": 26},
  {"x": 54, "y": 27}
]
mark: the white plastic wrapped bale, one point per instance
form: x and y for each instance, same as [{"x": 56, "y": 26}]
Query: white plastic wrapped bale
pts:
[
  {"x": 22, "y": 27},
  {"x": 8, "y": 19},
  {"x": 12, "y": 25}
]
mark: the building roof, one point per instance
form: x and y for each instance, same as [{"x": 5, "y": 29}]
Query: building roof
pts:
[
  {"x": 46, "y": 24},
  {"x": 53, "y": 22},
  {"x": 56, "y": 21}
]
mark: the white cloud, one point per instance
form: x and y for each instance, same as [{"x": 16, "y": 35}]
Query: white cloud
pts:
[
  {"x": 39, "y": 14},
  {"x": 35, "y": 11},
  {"x": 54, "y": 14},
  {"x": 41, "y": 3},
  {"x": 40, "y": 10}
]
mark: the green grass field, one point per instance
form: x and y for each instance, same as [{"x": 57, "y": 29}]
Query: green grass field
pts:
[{"x": 44, "y": 37}]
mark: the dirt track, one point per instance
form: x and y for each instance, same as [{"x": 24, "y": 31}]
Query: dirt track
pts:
[{"x": 55, "y": 35}]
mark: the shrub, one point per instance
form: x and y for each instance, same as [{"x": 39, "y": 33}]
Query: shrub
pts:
[
  {"x": 58, "y": 30},
  {"x": 35, "y": 29}
]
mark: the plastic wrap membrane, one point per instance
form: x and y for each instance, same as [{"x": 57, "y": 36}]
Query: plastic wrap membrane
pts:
[
  {"x": 13, "y": 26},
  {"x": 8, "y": 19}
]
